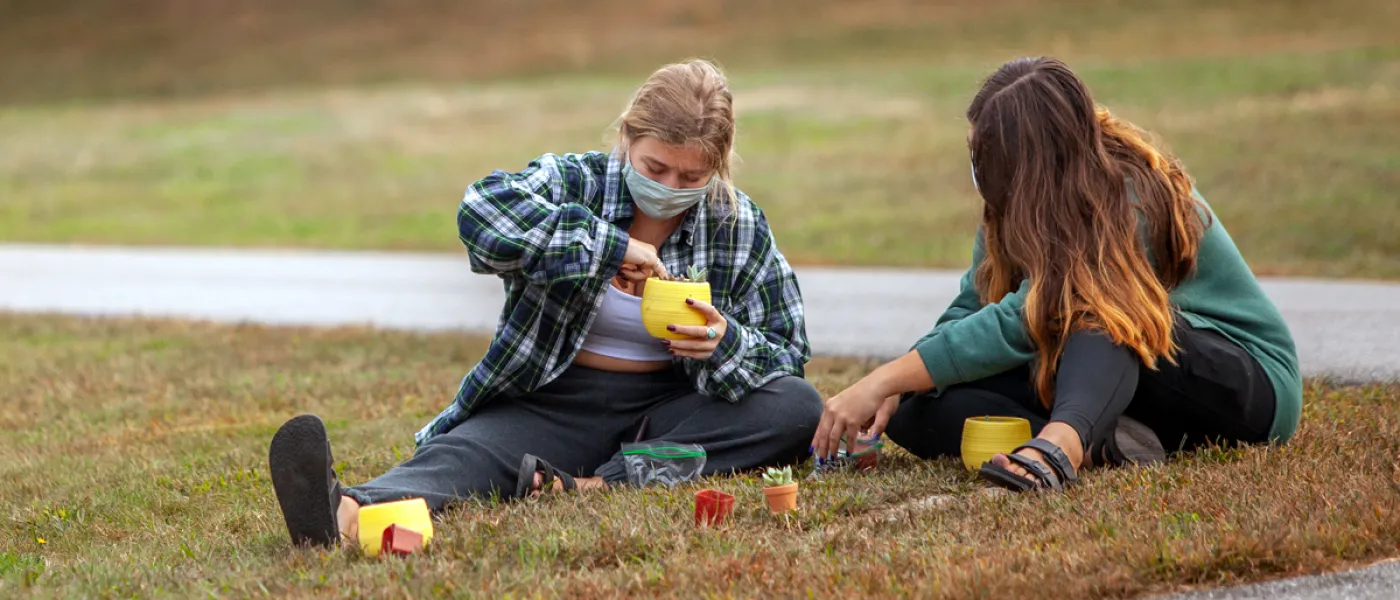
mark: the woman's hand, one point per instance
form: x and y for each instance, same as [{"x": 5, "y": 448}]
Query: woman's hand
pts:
[
  {"x": 641, "y": 261},
  {"x": 706, "y": 338},
  {"x": 869, "y": 403},
  {"x": 861, "y": 405}
]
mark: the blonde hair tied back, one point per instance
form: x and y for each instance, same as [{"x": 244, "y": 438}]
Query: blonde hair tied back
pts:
[{"x": 687, "y": 104}]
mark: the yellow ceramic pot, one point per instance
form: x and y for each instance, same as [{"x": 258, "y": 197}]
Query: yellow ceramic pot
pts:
[
  {"x": 663, "y": 304},
  {"x": 985, "y": 437},
  {"x": 375, "y": 518}
]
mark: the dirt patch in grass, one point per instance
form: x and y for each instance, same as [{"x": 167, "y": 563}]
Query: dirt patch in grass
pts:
[{"x": 133, "y": 462}]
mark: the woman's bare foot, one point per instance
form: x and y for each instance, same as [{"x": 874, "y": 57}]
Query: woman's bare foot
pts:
[
  {"x": 348, "y": 516},
  {"x": 1057, "y": 433},
  {"x": 585, "y": 484}
]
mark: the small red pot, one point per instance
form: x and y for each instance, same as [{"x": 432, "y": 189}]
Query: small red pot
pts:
[
  {"x": 712, "y": 507},
  {"x": 400, "y": 541},
  {"x": 867, "y": 461}
]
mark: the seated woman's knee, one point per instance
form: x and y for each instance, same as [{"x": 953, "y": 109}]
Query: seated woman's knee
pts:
[
  {"x": 801, "y": 402},
  {"x": 909, "y": 427},
  {"x": 931, "y": 427}
]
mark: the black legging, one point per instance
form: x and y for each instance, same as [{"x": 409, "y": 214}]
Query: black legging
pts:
[{"x": 1216, "y": 392}]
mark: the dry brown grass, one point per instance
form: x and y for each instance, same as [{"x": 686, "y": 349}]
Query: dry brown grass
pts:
[{"x": 132, "y": 463}]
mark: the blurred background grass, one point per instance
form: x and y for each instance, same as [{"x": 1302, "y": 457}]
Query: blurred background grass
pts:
[{"x": 335, "y": 124}]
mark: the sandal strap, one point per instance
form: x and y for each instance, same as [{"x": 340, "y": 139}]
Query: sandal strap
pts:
[
  {"x": 1045, "y": 477},
  {"x": 1005, "y": 478},
  {"x": 530, "y": 465},
  {"x": 1055, "y": 457},
  {"x": 547, "y": 474},
  {"x": 569, "y": 483},
  {"x": 525, "y": 476}
]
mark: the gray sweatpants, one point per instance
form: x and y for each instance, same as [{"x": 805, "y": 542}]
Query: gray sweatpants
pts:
[{"x": 578, "y": 423}]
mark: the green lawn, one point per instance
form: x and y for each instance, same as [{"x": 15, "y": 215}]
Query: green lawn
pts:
[
  {"x": 313, "y": 127},
  {"x": 133, "y": 463}
]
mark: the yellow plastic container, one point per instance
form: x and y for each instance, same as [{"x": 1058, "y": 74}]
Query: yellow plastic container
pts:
[
  {"x": 374, "y": 519},
  {"x": 985, "y": 437},
  {"x": 663, "y": 304}
]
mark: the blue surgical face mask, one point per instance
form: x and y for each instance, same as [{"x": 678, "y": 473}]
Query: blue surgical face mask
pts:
[{"x": 656, "y": 200}]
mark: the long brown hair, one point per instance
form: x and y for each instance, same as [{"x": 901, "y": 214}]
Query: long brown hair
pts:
[{"x": 1055, "y": 173}]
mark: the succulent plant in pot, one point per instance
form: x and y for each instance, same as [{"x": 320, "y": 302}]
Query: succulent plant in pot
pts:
[
  {"x": 663, "y": 302},
  {"x": 780, "y": 489}
]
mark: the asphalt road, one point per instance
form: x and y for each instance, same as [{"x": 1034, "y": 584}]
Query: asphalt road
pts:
[
  {"x": 1347, "y": 330},
  {"x": 1376, "y": 582}
]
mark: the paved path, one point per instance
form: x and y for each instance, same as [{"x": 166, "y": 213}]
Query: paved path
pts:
[
  {"x": 1349, "y": 330},
  {"x": 1376, "y": 582}
]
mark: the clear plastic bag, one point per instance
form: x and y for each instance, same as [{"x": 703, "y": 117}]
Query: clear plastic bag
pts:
[
  {"x": 659, "y": 462},
  {"x": 864, "y": 455}
]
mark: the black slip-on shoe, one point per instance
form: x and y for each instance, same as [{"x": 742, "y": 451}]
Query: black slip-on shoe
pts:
[
  {"x": 303, "y": 476},
  {"x": 1132, "y": 443}
]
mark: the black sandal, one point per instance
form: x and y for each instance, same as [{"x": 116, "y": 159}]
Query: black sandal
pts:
[
  {"x": 303, "y": 477},
  {"x": 1057, "y": 476},
  {"x": 529, "y": 466}
]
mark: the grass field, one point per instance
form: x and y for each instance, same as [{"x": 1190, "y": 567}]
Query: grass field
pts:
[
  {"x": 255, "y": 123},
  {"x": 133, "y": 463}
]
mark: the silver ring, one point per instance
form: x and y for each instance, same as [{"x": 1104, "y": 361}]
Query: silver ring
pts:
[{"x": 711, "y": 333}]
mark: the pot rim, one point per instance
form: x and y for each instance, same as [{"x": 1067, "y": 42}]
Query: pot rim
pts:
[
  {"x": 779, "y": 489},
  {"x": 996, "y": 421},
  {"x": 651, "y": 280}
]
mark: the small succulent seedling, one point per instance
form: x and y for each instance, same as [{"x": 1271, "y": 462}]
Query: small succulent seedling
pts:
[
  {"x": 692, "y": 274},
  {"x": 776, "y": 477}
]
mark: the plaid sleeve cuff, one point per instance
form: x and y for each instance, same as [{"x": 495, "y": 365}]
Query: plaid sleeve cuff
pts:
[
  {"x": 730, "y": 350},
  {"x": 727, "y": 361},
  {"x": 609, "y": 248}
]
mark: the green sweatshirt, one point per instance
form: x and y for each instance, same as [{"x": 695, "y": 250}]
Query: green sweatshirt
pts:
[{"x": 972, "y": 341}]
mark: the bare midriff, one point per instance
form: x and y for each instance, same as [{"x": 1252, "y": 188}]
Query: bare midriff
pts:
[
  {"x": 618, "y": 365},
  {"x": 599, "y": 362}
]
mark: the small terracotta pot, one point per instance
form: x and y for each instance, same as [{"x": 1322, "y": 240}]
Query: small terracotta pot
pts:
[
  {"x": 868, "y": 461},
  {"x": 663, "y": 304},
  {"x": 868, "y": 458},
  {"x": 781, "y": 498},
  {"x": 712, "y": 507}
]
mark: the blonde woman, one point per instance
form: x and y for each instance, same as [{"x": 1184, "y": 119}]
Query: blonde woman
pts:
[{"x": 571, "y": 373}]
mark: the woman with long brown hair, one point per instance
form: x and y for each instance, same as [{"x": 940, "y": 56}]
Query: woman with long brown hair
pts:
[{"x": 1105, "y": 304}]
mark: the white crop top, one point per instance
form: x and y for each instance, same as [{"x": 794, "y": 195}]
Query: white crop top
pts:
[{"x": 617, "y": 331}]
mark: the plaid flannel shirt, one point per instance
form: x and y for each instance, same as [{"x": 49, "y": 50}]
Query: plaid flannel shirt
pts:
[{"x": 556, "y": 233}]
